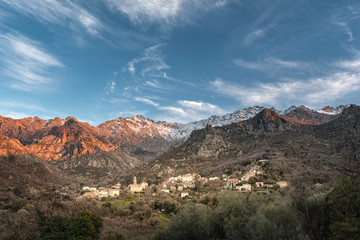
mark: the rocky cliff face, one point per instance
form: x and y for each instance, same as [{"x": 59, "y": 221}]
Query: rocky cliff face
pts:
[
  {"x": 53, "y": 139},
  {"x": 142, "y": 138},
  {"x": 271, "y": 136},
  {"x": 304, "y": 116}
]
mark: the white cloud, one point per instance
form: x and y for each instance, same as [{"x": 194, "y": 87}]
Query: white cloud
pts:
[
  {"x": 164, "y": 12},
  {"x": 110, "y": 87},
  {"x": 125, "y": 114},
  {"x": 221, "y": 3},
  {"x": 16, "y": 115},
  {"x": 270, "y": 64},
  {"x": 58, "y": 12},
  {"x": 202, "y": 107},
  {"x": 350, "y": 65},
  {"x": 150, "y": 10},
  {"x": 151, "y": 62},
  {"x": 154, "y": 84},
  {"x": 347, "y": 30},
  {"x": 184, "y": 111},
  {"x": 147, "y": 101},
  {"x": 26, "y": 63},
  {"x": 253, "y": 36},
  {"x": 315, "y": 92}
]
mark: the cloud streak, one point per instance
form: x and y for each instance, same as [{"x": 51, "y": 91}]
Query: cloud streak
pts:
[
  {"x": 185, "y": 110},
  {"x": 269, "y": 64},
  {"x": 164, "y": 12},
  {"x": 26, "y": 63},
  {"x": 314, "y": 92},
  {"x": 58, "y": 13}
]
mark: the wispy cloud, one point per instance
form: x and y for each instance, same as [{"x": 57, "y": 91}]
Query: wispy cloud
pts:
[
  {"x": 110, "y": 87},
  {"x": 125, "y": 114},
  {"x": 26, "y": 63},
  {"x": 16, "y": 115},
  {"x": 17, "y": 109},
  {"x": 147, "y": 101},
  {"x": 270, "y": 63},
  {"x": 164, "y": 12},
  {"x": 59, "y": 13},
  {"x": 184, "y": 110},
  {"x": 202, "y": 107},
  {"x": 347, "y": 30},
  {"x": 251, "y": 37},
  {"x": 314, "y": 92},
  {"x": 149, "y": 69},
  {"x": 152, "y": 61}
]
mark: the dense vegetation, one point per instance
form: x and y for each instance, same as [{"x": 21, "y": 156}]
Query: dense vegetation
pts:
[
  {"x": 335, "y": 215},
  {"x": 285, "y": 214}
]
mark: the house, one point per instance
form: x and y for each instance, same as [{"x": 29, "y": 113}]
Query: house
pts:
[
  {"x": 173, "y": 188},
  {"x": 214, "y": 178},
  {"x": 180, "y": 188},
  {"x": 144, "y": 185},
  {"x": 103, "y": 193},
  {"x": 233, "y": 181},
  {"x": 187, "y": 178},
  {"x": 91, "y": 189},
  {"x": 245, "y": 187},
  {"x": 116, "y": 186},
  {"x": 184, "y": 194},
  {"x": 86, "y": 188},
  {"x": 268, "y": 185},
  {"x": 165, "y": 190},
  {"x": 190, "y": 184},
  {"x": 259, "y": 184},
  {"x": 248, "y": 175},
  {"x": 173, "y": 179},
  {"x": 282, "y": 184},
  {"x": 135, "y": 187},
  {"x": 114, "y": 192}
]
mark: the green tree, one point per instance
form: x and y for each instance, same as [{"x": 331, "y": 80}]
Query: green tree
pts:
[
  {"x": 83, "y": 226},
  {"x": 190, "y": 223},
  {"x": 343, "y": 205}
]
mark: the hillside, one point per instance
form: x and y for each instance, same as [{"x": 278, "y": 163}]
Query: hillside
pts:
[{"x": 289, "y": 148}]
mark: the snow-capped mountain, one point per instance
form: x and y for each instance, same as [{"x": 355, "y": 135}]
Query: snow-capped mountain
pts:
[
  {"x": 333, "y": 110},
  {"x": 181, "y": 132},
  {"x": 63, "y": 138}
]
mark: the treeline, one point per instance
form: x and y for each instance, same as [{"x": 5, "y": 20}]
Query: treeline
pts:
[
  {"x": 333, "y": 215},
  {"x": 290, "y": 214}
]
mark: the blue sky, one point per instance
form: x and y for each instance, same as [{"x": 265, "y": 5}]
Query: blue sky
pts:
[{"x": 175, "y": 60}]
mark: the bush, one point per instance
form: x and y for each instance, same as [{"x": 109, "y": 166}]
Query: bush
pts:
[
  {"x": 190, "y": 223},
  {"x": 85, "y": 225}
]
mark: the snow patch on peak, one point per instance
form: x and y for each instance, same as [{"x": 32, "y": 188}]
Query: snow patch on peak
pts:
[
  {"x": 183, "y": 131},
  {"x": 333, "y": 110}
]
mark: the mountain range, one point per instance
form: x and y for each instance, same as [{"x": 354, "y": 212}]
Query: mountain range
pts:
[{"x": 58, "y": 139}]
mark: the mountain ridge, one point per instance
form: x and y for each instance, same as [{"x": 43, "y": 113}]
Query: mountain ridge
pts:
[{"x": 58, "y": 139}]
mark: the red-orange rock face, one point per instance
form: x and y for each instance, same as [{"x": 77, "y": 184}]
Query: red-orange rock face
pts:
[
  {"x": 65, "y": 138},
  {"x": 134, "y": 130},
  {"x": 53, "y": 139},
  {"x": 10, "y": 146}
]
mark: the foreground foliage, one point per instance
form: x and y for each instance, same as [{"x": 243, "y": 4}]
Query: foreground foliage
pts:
[{"x": 85, "y": 225}]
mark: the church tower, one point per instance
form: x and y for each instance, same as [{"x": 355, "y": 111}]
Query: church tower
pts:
[{"x": 134, "y": 181}]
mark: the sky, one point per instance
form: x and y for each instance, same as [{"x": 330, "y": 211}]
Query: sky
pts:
[{"x": 175, "y": 60}]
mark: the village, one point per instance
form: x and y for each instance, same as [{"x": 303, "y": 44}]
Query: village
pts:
[{"x": 182, "y": 185}]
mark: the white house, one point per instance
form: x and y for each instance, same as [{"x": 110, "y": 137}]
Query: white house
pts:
[
  {"x": 114, "y": 192},
  {"x": 184, "y": 194}
]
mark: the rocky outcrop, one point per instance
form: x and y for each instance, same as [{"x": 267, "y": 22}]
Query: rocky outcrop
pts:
[
  {"x": 11, "y": 146},
  {"x": 53, "y": 139},
  {"x": 304, "y": 116}
]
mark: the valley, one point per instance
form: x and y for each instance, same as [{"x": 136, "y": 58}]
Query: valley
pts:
[{"x": 63, "y": 166}]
